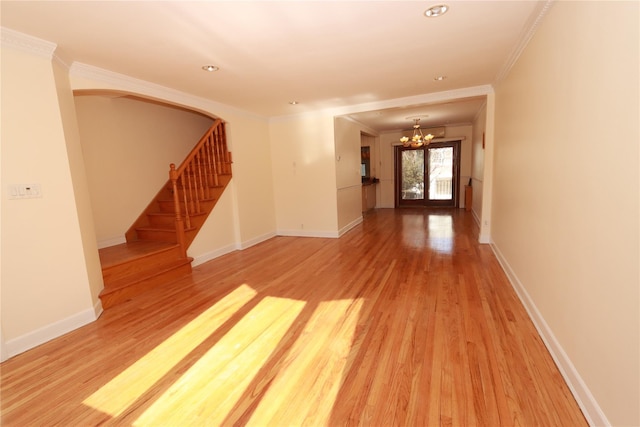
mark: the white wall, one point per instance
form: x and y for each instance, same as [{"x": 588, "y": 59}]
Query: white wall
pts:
[
  {"x": 48, "y": 259},
  {"x": 348, "y": 174},
  {"x": 477, "y": 161},
  {"x": 304, "y": 175},
  {"x": 566, "y": 193}
]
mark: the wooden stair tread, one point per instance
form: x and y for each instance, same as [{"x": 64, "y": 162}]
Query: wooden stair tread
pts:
[
  {"x": 117, "y": 254},
  {"x": 212, "y": 199},
  {"x": 125, "y": 282},
  {"x": 163, "y": 229},
  {"x": 173, "y": 214}
]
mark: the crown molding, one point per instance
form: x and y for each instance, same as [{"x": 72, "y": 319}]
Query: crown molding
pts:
[
  {"x": 27, "y": 43},
  {"x": 427, "y": 98},
  {"x": 529, "y": 29},
  {"x": 123, "y": 83}
]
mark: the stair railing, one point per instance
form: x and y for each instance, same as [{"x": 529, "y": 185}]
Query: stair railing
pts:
[{"x": 193, "y": 180}]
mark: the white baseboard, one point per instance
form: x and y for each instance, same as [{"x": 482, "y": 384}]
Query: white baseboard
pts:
[
  {"x": 201, "y": 259},
  {"x": 47, "y": 333},
  {"x": 97, "y": 308},
  {"x": 588, "y": 404},
  {"x": 111, "y": 242},
  {"x": 208, "y": 256},
  {"x": 349, "y": 226},
  {"x": 308, "y": 233},
  {"x": 475, "y": 217},
  {"x": 256, "y": 240}
]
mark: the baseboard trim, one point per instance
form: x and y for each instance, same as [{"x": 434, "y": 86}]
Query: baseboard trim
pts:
[
  {"x": 97, "y": 309},
  {"x": 111, "y": 242},
  {"x": 587, "y": 402},
  {"x": 47, "y": 333},
  {"x": 349, "y": 226},
  {"x": 485, "y": 239},
  {"x": 257, "y": 240},
  {"x": 208, "y": 256},
  {"x": 310, "y": 233},
  {"x": 475, "y": 217}
]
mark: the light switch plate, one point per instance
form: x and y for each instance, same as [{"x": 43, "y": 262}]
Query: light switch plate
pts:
[{"x": 25, "y": 191}]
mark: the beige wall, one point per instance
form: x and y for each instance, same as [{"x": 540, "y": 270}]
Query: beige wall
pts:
[
  {"x": 128, "y": 145},
  {"x": 47, "y": 277},
  {"x": 477, "y": 161},
  {"x": 304, "y": 175},
  {"x": 348, "y": 178},
  {"x": 566, "y": 196}
]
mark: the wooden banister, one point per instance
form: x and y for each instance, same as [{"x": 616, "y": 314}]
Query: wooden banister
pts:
[{"x": 192, "y": 181}]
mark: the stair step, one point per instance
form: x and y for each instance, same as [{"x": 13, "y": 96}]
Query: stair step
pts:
[
  {"x": 135, "y": 258},
  {"x": 167, "y": 219},
  {"x": 123, "y": 290},
  {"x": 166, "y": 205},
  {"x": 159, "y": 234}
]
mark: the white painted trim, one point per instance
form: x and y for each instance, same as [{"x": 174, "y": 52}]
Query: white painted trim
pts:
[
  {"x": 349, "y": 226},
  {"x": 484, "y": 238},
  {"x": 476, "y": 218},
  {"x": 47, "y": 333},
  {"x": 3, "y": 352},
  {"x": 528, "y": 31},
  {"x": 97, "y": 309},
  {"x": 256, "y": 240},
  {"x": 27, "y": 43},
  {"x": 125, "y": 83},
  {"x": 588, "y": 404},
  {"x": 111, "y": 242},
  {"x": 208, "y": 256},
  {"x": 308, "y": 233}
]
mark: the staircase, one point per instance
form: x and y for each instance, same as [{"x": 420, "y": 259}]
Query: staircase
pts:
[{"x": 156, "y": 245}]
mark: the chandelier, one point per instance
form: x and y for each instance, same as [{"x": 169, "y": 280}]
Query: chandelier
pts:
[{"x": 418, "y": 139}]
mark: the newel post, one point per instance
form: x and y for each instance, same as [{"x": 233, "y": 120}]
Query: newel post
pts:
[{"x": 173, "y": 176}]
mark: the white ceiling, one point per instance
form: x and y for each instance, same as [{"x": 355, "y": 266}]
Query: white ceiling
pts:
[{"x": 323, "y": 54}]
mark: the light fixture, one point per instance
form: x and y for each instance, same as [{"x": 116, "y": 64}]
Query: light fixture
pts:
[
  {"x": 293, "y": 102},
  {"x": 439, "y": 78},
  {"x": 210, "y": 68},
  {"x": 438, "y": 10},
  {"x": 418, "y": 139}
]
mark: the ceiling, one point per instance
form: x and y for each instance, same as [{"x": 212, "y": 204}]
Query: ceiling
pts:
[{"x": 376, "y": 60}]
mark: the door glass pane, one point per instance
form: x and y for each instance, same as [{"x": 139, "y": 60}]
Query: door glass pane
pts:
[
  {"x": 412, "y": 174},
  {"x": 441, "y": 173}
]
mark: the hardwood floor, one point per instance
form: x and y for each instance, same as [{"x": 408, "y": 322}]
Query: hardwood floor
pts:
[{"x": 405, "y": 320}]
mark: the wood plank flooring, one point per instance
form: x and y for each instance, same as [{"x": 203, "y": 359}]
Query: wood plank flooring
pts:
[{"x": 404, "y": 321}]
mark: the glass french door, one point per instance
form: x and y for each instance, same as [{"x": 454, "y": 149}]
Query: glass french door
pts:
[{"x": 429, "y": 175}]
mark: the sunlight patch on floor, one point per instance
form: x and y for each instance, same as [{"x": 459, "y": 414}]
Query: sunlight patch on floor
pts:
[
  {"x": 208, "y": 391},
  {"x": 441, "y": 234},
  {"x": 117, "y": 396},
  {"x": 304, "y": 391}
]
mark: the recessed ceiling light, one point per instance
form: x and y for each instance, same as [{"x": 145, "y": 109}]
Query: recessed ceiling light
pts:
[
  {"x": 439, "y": 78},
  {"x": 293, "y": 102},
  {"x": 438, "y": 10},
  {"x": 210, "y": 68}
]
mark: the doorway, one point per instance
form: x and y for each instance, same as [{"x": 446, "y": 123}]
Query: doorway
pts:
[{"x": 428, "y": 176}]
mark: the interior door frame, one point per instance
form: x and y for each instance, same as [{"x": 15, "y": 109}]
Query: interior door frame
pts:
[{"x": 455, "y": 200}]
